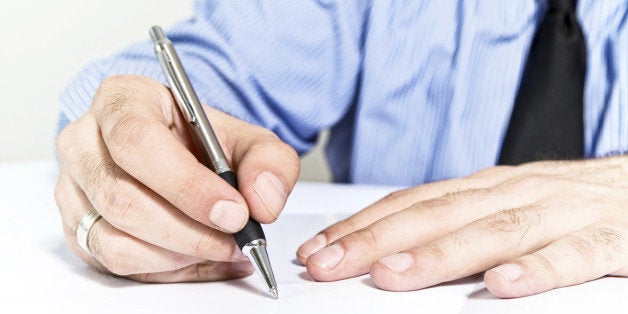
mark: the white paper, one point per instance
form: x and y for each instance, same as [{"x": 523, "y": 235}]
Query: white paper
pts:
[{"x": 41, "y": 274}]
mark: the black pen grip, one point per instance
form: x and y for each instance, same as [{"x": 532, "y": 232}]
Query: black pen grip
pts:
[
  {"x": 230, "y": 177},
  {"x": 252, "y": 230}
]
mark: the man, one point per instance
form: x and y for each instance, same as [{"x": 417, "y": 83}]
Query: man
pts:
[{"x": 413, "y": 91}]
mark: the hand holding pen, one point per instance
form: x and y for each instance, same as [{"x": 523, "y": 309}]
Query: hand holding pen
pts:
[
  {"x": 165, "y": 215},
  {"x": 250, "y": 239}
]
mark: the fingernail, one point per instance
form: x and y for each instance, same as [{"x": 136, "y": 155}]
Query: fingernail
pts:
[
  {"x": 228, "y": 215},
  {"x": 271, "y": 191},
  {"x": 328, "y": 257},
  {"x": 398, "y": 263},
  {"x": 510, "y": 272},
  {"x": 313, "y": 245},
  {"x": 243, "y": 267}
]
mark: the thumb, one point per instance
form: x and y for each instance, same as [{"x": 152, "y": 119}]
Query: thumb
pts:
[{"x": 266, "y": 167}]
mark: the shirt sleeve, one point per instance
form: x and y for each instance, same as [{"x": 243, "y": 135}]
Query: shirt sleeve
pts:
[{"x": 290, "y": 66}]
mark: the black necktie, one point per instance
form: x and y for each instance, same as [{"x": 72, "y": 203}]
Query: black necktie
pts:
[{"x": 546, "y": 122}]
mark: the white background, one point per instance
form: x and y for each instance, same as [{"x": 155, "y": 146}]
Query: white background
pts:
[{"x": 43, "y": 43}]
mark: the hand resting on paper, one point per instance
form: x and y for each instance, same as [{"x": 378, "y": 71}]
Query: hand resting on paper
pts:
[{"x": 531, "y": 228}]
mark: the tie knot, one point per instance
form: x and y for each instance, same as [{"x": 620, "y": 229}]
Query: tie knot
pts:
[{"x": 563, "y": 5}]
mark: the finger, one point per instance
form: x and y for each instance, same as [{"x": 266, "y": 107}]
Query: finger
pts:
[
  {"x": 130, "y": 113},
  {"x": 69, "y": 200},
  {"x": 267, "y": 168},
  {"x": 136, "y": 210},
  {"x": 479, "y": 246},
  {"x": 111, "y": 249},
  {"x": 417, "y": 225},
  {"x": 115, "y": 252},
  {"x": 576, "y": 258},
  {"x": 208, "y": 271},
  {"x": 398, "y": 201},
  {"x": 72, "y": 204},
  {"x": 482, "y": 179}
]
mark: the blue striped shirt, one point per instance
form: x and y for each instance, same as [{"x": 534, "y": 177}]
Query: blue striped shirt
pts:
[{"x": 413, "y": 91}]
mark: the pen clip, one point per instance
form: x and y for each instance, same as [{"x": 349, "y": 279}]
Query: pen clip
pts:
[
  {"x": 177, "y": 90},
  {"x": 188, "y": 102},
  {"x": 173, "y": 71}
]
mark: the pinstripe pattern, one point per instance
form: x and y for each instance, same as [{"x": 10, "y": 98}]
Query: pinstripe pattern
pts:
[{"x": 414, "y": 91}]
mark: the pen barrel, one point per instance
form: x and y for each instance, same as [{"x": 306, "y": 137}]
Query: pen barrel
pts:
[{"x": 252, "y": 230}]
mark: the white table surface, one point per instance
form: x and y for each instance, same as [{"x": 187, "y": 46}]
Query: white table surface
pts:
[{"x": 40, "y": 274}]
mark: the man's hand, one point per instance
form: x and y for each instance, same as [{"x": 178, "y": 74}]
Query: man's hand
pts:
[
  {"x": 165, "y": 215},
  {"x": 532, "y": 228}
]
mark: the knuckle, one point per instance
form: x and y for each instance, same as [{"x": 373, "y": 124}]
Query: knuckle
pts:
[
  {"x": 114, "y": 95},
  {"x": 118, "y": 264},
  {"x": 283, "y": 153},
  {"x": 72, "y": 137},
  {"x": 265, "y": 135},
  {"x": 508, "y": 220},
  {"x": 203, "y": 270},
  {"x": 206, "y": 271},
  {"x": 468, "y": 194},
  {"x": 143, "y": 277},
  {"x": 191, "y": 189},
  {"x": 118, "y": 259},
  {"x": 511, "y": 220},
  {"x": 284, "y": 148},
  {"x": 289, "y": 157},
  {"x": 205, "y": 245},
  {"x": 433, "y": 209},
  {"x": 434, "y": 252},
  {"x": 370, "y": 237},
  {"x": 583, "y": 246},
  {"x": 60, "y": 194},
  {"x": 604, "y": 240},
  {"x": 64, "y": 143},
  {"x": 95, "y": 168},
  {"x": 396, "y": 195},
  {"x": 398, "y": 199},
  {"x": 119, "y": 208},
  {"x": 126, "y": 134},
  {"x": 551, "y": 276},
  {"x": 436, "y": 204}
]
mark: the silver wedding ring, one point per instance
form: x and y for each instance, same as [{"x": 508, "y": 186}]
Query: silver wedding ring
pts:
[{"x": 82, "y": 231}]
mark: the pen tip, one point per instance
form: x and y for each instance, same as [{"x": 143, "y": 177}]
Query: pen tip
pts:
[{"x": 257, "y": 254}]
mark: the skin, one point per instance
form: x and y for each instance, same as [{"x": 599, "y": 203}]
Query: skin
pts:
[
  {"x": 530, "y": 228},
  {"x": 166, "y": 217}
]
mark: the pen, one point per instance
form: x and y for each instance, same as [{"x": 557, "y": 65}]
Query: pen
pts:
[{"x": 250, "y": 239}]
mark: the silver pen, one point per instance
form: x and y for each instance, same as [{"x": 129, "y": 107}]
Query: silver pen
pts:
[{"x": 250, "y": 239}]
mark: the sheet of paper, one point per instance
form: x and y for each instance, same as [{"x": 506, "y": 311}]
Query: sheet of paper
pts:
[
  {"x": 40, "y": 273},
  {"x": 605, "y": 295}
]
